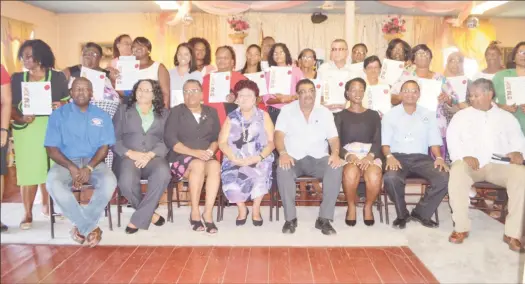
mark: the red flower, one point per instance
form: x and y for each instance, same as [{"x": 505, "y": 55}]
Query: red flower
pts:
[{"x": 395, "y": 21}]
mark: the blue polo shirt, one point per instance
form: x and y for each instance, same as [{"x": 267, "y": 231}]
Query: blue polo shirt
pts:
[
  {"x": 410, "y": 134},
  {"x": 79, "y": 134}
]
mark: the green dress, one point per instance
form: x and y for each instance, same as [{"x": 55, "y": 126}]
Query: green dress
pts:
[
  {"x": 30, "y": 154},
  {"x": 499, "y": 87}
]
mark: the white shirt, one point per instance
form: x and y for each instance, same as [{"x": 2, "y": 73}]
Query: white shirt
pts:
[
  {"x": 480, "y": 134},
  {"x": 151, "y": 72},
  {"x": 329, "y": 70},
  {"x": 306, "y": 138}
]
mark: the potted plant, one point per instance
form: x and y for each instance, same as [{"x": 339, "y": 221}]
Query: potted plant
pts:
[
  {"x": 239, "y": 26},
  {"x": 394, "y": 27}
]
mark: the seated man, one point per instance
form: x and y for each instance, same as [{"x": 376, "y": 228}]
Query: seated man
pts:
[
  {"x": 475, "y": 135},
  {"x": 302, "y": 134},
  {"x": 78, "y": 138},
  {"x": 408, "y": 130}
]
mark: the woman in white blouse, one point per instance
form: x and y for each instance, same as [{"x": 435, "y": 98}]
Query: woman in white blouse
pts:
[{"x": 184, "y": 70}]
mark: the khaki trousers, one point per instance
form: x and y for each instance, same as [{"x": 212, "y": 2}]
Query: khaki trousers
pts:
[{"x": 512, "y": 177}]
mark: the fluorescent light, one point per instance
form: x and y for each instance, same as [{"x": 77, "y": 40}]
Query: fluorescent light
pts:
[
  {"x": 168, "y": 5},
  {"x": 485, "y": 6}
]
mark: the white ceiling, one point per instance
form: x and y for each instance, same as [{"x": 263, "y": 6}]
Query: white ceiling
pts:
[{"x": 513, "y": 9}]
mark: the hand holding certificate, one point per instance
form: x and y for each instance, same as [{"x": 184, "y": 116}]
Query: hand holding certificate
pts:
[
  {"x": 459, "y": 85},
  {"x": 515, "y": 90},
  {"x": 219, "y": 87},
  {"x": 378, "y": 98},
  {"x": 391, "y": 71},
  {"x": 260, "y": 80},
  {"x": 430, "y": 90},
  {"x": 128, "y": 71},
  {"x": 334, "y": 90},
  {"x": 97, "y": 79},
  {"x": 280, "y": 80},
  {"x": 36, "y": 98}
]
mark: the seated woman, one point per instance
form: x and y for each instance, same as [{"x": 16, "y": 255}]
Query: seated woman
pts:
[
  {"x": 191, "y": 134},
  {"x": 246, "y": 139},
  {"x": 360, "y": 134},
  {"x": 139, "y": 131}
]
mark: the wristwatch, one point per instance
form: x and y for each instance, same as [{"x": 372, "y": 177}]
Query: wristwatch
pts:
[{"x": 90, "y": 168}]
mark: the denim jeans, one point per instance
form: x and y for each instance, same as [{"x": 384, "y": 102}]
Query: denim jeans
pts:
[{"x": 59, "y": 184}]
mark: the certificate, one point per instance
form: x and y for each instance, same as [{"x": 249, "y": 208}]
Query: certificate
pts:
[
  {"x": 128, "y": 76},
  {"x": 515, "y": 90},
  {"x": 357, "y": 70},
  {"x": 459, "y": 85},
  {"x": 176, "y": 98},
  {"x": 334, "y": 89},
  {"x": 97, "y": 79},
  {"x": 36, "y": 98},
  {"x": 219, "y": 87},
  {"x": 260, "y": 80},
  {"x": 280, "y": 80},
  {"x": 318, "y": 90},
  {"x": 430, "y": 91},
  {"x": 378, "y": 98},
  {"x": 265, "y": 66},
  {"x": 391, "y": 71},
  {"x": 127, "y": 58}
]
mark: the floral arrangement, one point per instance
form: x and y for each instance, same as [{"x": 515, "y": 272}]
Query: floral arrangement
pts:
[
  {"x": 238, "y": 24},
  {"x": 394, "y": 25}
]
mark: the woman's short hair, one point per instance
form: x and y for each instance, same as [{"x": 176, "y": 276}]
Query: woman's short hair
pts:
[
  {"x": 392, "y": 44},
  {"x": 207, "y": 58},
  {"x": 372, "y": 59},
  {"x": 143, "y": 41},
  {"x": 245, "y": 84},
  {"x": 306, "y": 50},
  {"x": 158, "y": 100},
  {"x": 116, "y": 52},
  {"x": 493, "y": 45},
  {"x": 42, "y": 53},
  {"x": 419, "y": 47},
  {"x": 511, "y": 64},
  {"x": 271, "y": 61},
  {"x": 230, "y": 49},
  {"x": 487, "y": 85},
  {"x": 95, "y": 46},
  {"x": 347, "y": 85},
  {"x": 192, "y": 81},
  {"x": 193, "y": 66},
  {"x": 259, "y": 68}
]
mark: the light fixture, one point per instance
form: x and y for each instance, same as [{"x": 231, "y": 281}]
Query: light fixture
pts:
[
  {"x": 479, "y": 9},
  {"x": 168, "y": 5}
]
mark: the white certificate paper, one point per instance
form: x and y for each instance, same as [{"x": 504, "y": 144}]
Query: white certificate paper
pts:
[
  {"x": 391, "y": 71},
  {"x": 36, "y": 98},
  {"x": 430, "y": 91},
  {"x": 97, "y": 79},
  {"x": 515, "y": 90},
  {"x": 459, "y": 85},
  {"x": 260, "y": 80},
  {"x": 334, "y": 89},
  {"x": 176, "y": 98},
  {"x": 127, "y": 58},
  {"x": 265, "y": 66},
  {"x": 318, "y": 90},
  {"x": 280, "y": 80},
  {"x": 128, "y": 74},
  {"x": 357, "y": 70},
  {"x": 378, "y": 98},
  {"x": 219, "y": 86}
]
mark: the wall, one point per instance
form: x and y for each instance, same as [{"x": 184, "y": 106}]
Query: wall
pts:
[
  {"x": 45, "y": 22},
  {"x": 509, "y": 31}
]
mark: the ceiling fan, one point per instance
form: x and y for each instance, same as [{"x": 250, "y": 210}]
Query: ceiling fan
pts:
[{"x": 174, "y": 18}]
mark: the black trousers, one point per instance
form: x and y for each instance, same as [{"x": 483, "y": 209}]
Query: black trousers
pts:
[{"x": 416, "y": 165}]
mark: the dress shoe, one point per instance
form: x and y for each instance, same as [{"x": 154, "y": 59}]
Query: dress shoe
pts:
[
  {"x": 457, "y": 238},
  {"x": 400, "y": 223},
  {"x": 240, "y": 222},
  {"x": 130, "y": 230},
  {"x": 514, "y": 244},
  {"x": 425, "y": 222},
  {"x": 4, "y": 228},
  {"x": 289, "y": 226},
  {"x": 349, "y": 222},
  {"x": 325, "y": 226},
  {"x": 368, "y": 222},
  {"x": 160, "y": 221}
]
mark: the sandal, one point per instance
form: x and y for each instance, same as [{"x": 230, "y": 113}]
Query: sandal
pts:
[
  {"x": 196, "y": 225},
  {"x": 26, "y": 224},
  {"x": 76, "y": 236},
  {"x": 94, "y": 237},
  {"x": 209, "y": 226}
]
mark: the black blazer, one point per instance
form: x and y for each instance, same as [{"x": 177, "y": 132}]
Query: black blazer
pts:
[{"x": 130, "y": 135}]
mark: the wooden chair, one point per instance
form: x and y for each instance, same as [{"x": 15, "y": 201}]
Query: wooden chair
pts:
[
  {"x": 145, "y": 182},
  {"x": 409, "y": 181},
  {"x": 182, "y": 186},
  {"x": 495, "y": 188},
  {"x": 276, "y": 201},
  {"x": 84, "y": 187}
]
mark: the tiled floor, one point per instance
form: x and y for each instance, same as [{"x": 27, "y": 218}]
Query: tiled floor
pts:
[{"x": 143, "y": 264}]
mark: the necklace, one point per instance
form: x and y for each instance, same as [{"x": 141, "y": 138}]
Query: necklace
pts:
[{"x": 245, "y": 134}]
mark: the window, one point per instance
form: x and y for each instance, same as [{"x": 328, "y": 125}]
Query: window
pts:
[{"x": 470, "y": 66}]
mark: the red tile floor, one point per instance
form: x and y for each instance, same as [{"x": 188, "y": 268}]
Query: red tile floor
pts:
[{"x": 143, "y": 264}]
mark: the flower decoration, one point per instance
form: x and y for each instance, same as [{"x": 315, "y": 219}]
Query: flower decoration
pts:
[
  {"x": 238, "y": 24},
  {"x": 394, "y": 25}
]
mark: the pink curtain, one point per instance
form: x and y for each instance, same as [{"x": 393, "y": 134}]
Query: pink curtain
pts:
[{"x": 226, "y": 8}]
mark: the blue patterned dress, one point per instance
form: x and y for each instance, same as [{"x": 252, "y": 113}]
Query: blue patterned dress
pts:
[{"x": 241, "y": 184}]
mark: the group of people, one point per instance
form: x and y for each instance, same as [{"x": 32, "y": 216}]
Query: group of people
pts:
[{"x": 242, "y": 144}]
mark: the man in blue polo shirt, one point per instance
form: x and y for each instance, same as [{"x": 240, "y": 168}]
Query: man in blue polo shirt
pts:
[
  {"x": 407, "y": 132},
  {"x": 78, "y": 138}
]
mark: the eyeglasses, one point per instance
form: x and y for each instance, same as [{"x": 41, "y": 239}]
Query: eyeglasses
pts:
[
  {"x": 339, "y": 49},
  {"x": 356, "y": 91},
  {"x": 357, "y": 52},
  {"x": 90, "y": 54},
  {"x": 422, "y": 54},
  {"x": 307, "y": 58},
  {"x": 309, "y": 91},
  {"x": 373, "y": 68},
  {"x": 148, "y": 91},
  {"x": 278, "y": 52},
  {"x": 191, "y": 91},
  {"x": 27, "y": 56},
  {"x": 410, "y": 91},
  {"x": 455, "y": 61}
]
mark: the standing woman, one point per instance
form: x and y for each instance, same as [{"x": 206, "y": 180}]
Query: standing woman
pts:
[
  {"x": 279, "y": 55},
  {"x": 253, "y": 60},
  {"x": 246, "y": 139},
  {"x": 493, "y": 59},
  {"x": 399, "y": 50},
  {"x": 150, "y": 69},
  {"x": 5, "y": 107},
  {"x": 184, "y": 70},
  {"x": 121, "y": 47},
  {"x": 307, "y": 60},
  {"x": 29, "y": 131},
  {"x": 202, "y": 49}
]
